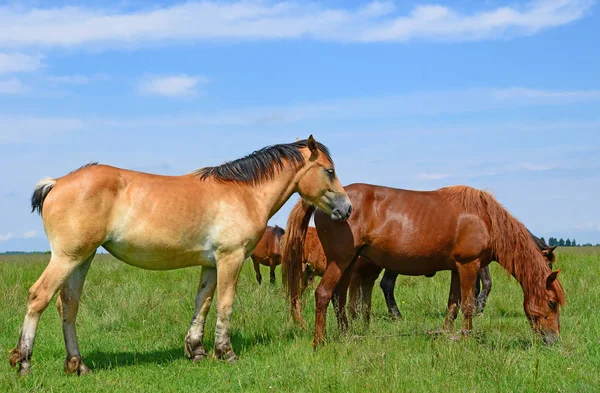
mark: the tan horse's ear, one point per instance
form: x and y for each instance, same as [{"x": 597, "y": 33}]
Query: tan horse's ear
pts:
[
  {"x": 312, "y": 146},
  {"x": 551, "y": 278}
]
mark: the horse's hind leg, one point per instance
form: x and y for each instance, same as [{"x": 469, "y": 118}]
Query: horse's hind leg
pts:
[
  {"x": 206, "y": 289},
  {"x": 387, "y": 284},
  {"x": 486, "y": 279},
  {"x": 68, "y": 305},
  {"x": 40, "y": 294}
]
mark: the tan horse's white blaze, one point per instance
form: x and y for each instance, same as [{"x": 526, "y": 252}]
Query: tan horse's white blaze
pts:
[{"x": 212, "y": 218}]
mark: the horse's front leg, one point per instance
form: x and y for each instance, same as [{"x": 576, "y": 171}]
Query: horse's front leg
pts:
[
  {"x": 206, "y": 289},
  {"x": 257, "y": 270},
  {"x": 273, "y": 262},
  {"x": 228, "y": 270},
  {"x": 468, "y": 276}
]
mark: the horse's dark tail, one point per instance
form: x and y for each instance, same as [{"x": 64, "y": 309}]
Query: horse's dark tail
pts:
[
  {"x": 40, "y": 193},
  {"x": 293, "y": 248}
]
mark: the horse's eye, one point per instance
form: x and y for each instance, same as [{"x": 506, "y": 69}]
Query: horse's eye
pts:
[
  {"x": 552, "y": 304},
  {"x": 331, "y": 171}
]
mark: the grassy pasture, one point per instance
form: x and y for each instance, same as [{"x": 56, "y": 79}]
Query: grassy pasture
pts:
[{"x": 132, "y": 323}]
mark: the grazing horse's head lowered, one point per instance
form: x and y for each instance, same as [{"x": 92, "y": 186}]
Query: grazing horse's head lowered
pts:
[{"x": 543, "y": 312}]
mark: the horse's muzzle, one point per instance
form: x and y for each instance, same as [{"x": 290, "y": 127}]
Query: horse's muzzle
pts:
[
  {"x": 550, "y": 338},
  {"x": 342, "y": 213}
]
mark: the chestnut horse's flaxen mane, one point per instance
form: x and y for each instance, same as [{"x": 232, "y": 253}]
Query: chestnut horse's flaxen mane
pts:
[
  {"x": 512, "y": 245},
  {"x": 259, "y": 166}
]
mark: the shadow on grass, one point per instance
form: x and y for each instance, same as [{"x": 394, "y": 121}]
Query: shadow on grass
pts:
[
  {"x": 100, "y": 360},
  {"x": 240, "y": 341}
]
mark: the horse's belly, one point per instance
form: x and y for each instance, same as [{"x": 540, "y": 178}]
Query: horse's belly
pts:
[
  {"x": 159, "y": 258},
  {"x": 410, "y": 264}
]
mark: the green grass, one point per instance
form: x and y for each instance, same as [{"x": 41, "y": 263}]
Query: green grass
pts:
[{"x": 132, "y": 323}]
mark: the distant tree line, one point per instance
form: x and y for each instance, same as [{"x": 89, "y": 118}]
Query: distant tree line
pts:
[{"x": 552, "y": 241}]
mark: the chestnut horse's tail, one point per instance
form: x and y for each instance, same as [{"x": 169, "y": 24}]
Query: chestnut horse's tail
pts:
[{"x": 293, "y": 247}]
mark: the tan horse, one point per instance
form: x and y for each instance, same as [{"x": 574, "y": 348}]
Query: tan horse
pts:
[
  {"x": 268, "y": 252},
  {"x": 212, "y": 217}
]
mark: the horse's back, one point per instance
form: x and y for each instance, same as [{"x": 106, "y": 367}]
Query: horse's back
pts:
[{"x": 412, "y": 232}]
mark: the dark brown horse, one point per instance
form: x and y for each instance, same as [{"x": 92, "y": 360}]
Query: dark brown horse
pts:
[
  {"x": 483, "y": 285},
  {"x": 268, "y": 252},
  {"x": 460, "y": 229}
]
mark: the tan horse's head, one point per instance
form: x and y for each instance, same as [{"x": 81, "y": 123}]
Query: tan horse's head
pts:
[
  {"x": 318, "y": 184},
  {"x": 543, "y": 312}
]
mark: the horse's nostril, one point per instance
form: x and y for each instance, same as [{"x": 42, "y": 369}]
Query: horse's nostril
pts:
[{"x": 349, "y": 209}]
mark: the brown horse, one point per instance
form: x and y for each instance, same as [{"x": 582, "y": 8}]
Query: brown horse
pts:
[
  {"x": 419, "y": 233},
  {"x": 212, "y": 217},
  {"x": 483, "y": 286},
  {"x": 268, "y": 252}
]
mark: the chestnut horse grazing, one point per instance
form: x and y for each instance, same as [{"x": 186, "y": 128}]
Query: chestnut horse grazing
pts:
[
  {"x": 460, "y": 229},
  {"x": 483, "y": 286},
  {"x": 212, "y": 217},
  {"x": 268, "y": 252}
]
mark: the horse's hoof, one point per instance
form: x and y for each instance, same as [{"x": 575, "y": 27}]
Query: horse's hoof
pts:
[
  {"x": 460, "y": 335},
  {"x": 198, "y": 355},
  {"x": 228, "y": 355},
  {"x": 231, "y": 357},
  {"x": 318, "y": 343},
  {"x": 24, "y": 369},
  {"x": 75, "y": 366},
  {"x": 15, "y": 357}
]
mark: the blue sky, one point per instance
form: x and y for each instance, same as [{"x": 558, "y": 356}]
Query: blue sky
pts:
[{"x": 497, "y": 95}]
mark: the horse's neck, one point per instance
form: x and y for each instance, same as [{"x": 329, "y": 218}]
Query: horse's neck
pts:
[{"x": 272, "y": 194}]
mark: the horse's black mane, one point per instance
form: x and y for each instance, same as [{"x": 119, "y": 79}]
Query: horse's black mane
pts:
[{"x": 260, "y": 165}]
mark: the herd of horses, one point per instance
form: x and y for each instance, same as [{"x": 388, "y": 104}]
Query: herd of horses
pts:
[{"x": 216, "y": 217}]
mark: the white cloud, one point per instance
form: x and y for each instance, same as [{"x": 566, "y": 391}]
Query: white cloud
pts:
[
  {"x": 6, "y": 237},
  {"x": 171, "y": 86},
  {"x": 255, "y": 19},
  {"x": 426, "y": 103},
  {"x": 29, "y": 234},
  {"x": 19, "y": 62},
  {"x": 10, "y": 236},
  {"x": 75, "y": 79},
  {"x": 12, "y": 86},
  {"x": 431, "y": 176}
]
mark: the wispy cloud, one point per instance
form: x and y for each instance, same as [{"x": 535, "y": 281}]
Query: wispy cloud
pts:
[
  {"x": 10, "y": 236},
  {"x": 254, "y": 20},
  {"x": 171, "y": 86},
  {"x": 75, "y": 79},
  {"x": 12, "y": 86},
  {"x": 29, "y": 234},
  {"x": 420, "y": 103},
  {"x": 431, "y": 176},
  {"x": 19, "y": 62}
]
